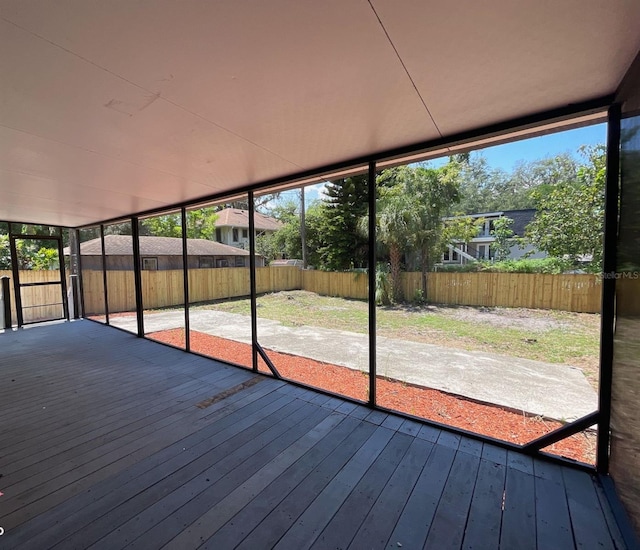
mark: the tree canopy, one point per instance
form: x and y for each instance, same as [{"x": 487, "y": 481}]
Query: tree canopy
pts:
[{"x": 569, "y": 219}]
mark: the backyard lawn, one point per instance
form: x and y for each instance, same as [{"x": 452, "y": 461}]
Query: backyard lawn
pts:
[{"x": 550, "y": 336}]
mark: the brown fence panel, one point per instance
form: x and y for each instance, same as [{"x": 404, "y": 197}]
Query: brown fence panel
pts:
[
  {"x": 93, "y": 292},
  {"x": 122, "y": 291},
  {"x": 579, "y": 292},
  {"x": 162, "y": 288},
  {"x": 344, "y": 284}
]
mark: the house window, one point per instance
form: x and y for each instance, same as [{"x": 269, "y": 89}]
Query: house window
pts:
[
  {"x": 446, "y": 255},
  {"x": 150, "y": 264},
  {"x": 205, "y": 262},
  {"x": 239, "y": 261},
  {"x": 235, "y": 235},
  {"x": 218, "y": 234},
  {"x": 222, "y": 263},
  {"x": 245, "y": 233}
]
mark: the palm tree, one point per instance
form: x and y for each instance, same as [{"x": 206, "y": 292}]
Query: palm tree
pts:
[
  {"x": 431, "y": 192},
  {"x": 394, "y": 230}
]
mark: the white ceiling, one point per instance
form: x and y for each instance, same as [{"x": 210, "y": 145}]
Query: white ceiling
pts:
[{"x": 111, "y": 107}]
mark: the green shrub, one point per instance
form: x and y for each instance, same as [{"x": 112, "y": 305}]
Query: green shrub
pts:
[{"x": 525, "y": 265}]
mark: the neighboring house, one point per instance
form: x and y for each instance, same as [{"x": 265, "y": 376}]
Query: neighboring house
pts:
[
  {"x": 232, "y": 226},
  {"x": 480, "y": 247},
  {"x": 161, "y": 253}
]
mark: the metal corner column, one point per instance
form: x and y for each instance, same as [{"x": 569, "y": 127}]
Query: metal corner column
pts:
[
  {"x": 252, "y": 284},
  {"x": 371, "y": 189},
  {"x": 135, "y": 236},
  {"x": 104, "y": 276},
  {"x": 609, "y": 266},
  {"x": 63, "y": 279},
  {"x": 16, "y": 278},
  {"x": 185, "y": 274},
  {"x": 80, "y": 280}
]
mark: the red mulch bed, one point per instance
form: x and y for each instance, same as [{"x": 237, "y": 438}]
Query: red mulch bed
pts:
[{"x": 442, "y": 407}]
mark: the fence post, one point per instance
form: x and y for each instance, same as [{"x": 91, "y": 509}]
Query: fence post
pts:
[{"x": 5, "y": 294}]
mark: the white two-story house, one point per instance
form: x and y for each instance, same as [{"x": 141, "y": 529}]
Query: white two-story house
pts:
[
  {"x": 232, "y": 226},
  {"x": 480, "y": 247}
]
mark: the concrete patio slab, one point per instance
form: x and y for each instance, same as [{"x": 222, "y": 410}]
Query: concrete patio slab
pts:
[{"x": 560, "y": 392}]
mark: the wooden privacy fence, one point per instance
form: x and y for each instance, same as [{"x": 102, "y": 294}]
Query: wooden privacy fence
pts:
[
  {"x": 166, "y": 288},
  {"x": 580, "y": 293},
  {"x": 329, "y": 283}
]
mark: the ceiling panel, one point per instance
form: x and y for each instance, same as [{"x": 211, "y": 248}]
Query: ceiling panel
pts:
[
  {"x": 478, "y": 63},
  {"x": 28, "y": 155},
  {"x": 112, "y": 108},
  {"x": 277, "y": 73},
  {"x": 61, "y": 97}
]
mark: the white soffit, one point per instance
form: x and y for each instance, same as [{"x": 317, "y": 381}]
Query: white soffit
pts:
[{"x": 109, "y": 108}]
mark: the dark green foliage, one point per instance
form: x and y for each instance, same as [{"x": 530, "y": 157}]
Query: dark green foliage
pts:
[
  {"x": 503, "y": 233},
  {"x": 343, "y": 245},
  {"x": 287, "y": 242},
  {"x": 486, "y": 189},
  {"x": 570, "y": 213},
  {"x": 411, "y": 204},
  {"x": 544, "y": 265}
]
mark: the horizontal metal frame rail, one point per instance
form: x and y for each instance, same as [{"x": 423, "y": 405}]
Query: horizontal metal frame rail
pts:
[{"x": 42, "y": 283}]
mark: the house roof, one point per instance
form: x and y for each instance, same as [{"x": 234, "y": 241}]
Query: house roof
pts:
[
  {"x": 121, "y": 245},
  {"x": 521, "y": 218},
  {"x": 114, "y": 108},
  {"x": 235, "y": 217}
]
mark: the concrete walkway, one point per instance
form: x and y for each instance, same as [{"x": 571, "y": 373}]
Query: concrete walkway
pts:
[{"x": 554, "y": 391}]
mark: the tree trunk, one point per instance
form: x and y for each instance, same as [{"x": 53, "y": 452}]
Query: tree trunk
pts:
[
  {"x": 395, "y": 257},
  {"x": 424, "y": 264}
]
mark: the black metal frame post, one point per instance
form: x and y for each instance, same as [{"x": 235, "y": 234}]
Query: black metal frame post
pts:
[
  {"x": 252, "y": 284},
  {"x": 16, "y": 278},
  {"x": 185, "y": 275},
  {"x": 6, "y": 296},
  {"x": 63, "y": 279},
  {"x": 135, "y": 236},
  {"x": 609, "y": 266},
  {"x": 80, "y": 280},
  {"x": 372, "y": 194},
  {"x": 104, "y": 276}
]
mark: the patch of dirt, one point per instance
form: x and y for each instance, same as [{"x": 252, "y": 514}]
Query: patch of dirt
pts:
[
  {"x": 532, "y": 320},
  {"x": 508, "y": 318},
  {"x": 427, "y": 403}
]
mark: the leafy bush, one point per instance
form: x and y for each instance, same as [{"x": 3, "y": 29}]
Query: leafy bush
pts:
[
  {"x": 527, "y": 265},
  {"x": 383, "y": 285}
]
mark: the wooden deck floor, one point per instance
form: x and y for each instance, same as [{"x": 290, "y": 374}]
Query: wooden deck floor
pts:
[{"x": 109, "y": 441}]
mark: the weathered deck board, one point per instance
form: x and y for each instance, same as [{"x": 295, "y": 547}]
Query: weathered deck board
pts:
[{"x": 110, "y": 441}]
